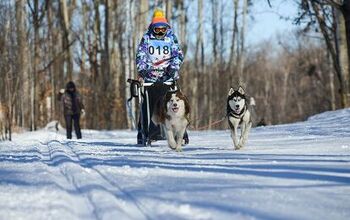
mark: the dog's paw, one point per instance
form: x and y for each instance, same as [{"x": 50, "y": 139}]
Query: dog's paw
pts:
[
  {"x": 178, "y": 149},
  {"x": 239, "y": 146},
  {"x": 172, "y": 147},
  {"x": 185, "y": 141}
]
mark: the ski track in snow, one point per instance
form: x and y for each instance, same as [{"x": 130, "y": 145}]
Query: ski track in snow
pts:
[{"x": 291, "y": 171}]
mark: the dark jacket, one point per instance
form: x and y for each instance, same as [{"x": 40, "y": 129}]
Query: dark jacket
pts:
[{"x": 72, "y": 103}]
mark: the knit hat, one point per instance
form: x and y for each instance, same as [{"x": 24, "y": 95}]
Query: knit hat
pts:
[
  {"x": 159, "y": 18},
  {"x": 70, "y": 85}
]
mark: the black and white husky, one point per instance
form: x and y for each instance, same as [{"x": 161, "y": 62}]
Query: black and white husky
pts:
[{"x": 238, "y": 114}]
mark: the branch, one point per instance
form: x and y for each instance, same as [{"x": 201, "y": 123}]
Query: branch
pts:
[
  {"x": 268, "y": 1},
  {"x": 43, "y": 6},
  {"x": 30, "y": 6},
  {"x": 333, "y": 3},
  {"x": 56, "y": 57},
  {"x": 331, "y": 48}
]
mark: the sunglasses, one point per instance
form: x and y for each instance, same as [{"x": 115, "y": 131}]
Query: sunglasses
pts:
[{"x": 158, "y": 30}]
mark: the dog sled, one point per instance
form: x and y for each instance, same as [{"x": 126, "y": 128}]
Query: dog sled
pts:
[{"x": 147, "y": 94}]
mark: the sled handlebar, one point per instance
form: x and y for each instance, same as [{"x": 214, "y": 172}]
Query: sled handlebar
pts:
[
  {"x": 133, "y": 81},
  {"x": 165, "y": 83},
  {"x": 145, "y": 84}
]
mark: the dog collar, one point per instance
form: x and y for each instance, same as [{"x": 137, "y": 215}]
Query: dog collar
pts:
[{"x": 239, "y": 115}]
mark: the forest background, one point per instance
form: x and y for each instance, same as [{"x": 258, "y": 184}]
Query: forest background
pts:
[{"x": 292, "y": 75}]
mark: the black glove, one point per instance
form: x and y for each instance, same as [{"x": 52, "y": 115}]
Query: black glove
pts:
[
  {"x": 144, "y": 73},
  {"x": 170, "y": 72}
]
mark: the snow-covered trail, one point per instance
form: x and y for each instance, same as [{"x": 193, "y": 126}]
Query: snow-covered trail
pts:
[{"x": 293, "y": 171}]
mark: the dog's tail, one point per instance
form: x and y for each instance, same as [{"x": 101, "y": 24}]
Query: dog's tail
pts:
[
  {"x": 252, "y": 101},
  {"x": 253, "y": 114}
]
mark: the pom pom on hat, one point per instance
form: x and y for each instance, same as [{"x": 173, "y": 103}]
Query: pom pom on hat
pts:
[{"x": 159, "y": 17}]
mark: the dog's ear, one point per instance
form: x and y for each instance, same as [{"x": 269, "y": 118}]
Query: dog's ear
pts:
[
  {"x": 241, "y": 90},
  {"x": 231, "y": 91}
]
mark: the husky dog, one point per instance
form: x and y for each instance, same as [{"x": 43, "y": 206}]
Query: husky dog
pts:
[
  {"x": 238, "y": 113},
  {"x": 172, "y": 113}
]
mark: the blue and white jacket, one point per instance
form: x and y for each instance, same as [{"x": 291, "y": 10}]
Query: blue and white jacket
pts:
[{"x": 154, "y": 56}]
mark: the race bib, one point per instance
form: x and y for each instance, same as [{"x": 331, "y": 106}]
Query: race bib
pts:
[{"x": 159, "y": 50}]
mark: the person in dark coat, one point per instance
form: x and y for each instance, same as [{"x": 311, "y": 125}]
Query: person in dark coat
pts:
[{"x": 73, "y": 108}]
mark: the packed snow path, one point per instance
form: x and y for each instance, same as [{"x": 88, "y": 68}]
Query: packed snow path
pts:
[{"x": 293, "y": 171}]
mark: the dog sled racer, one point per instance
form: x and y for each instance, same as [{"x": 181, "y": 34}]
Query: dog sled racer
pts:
[
  {"x": 159, "y": 55},
  {"x": 158, "y": 59}
]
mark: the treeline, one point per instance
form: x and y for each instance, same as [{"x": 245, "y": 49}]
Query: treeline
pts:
[{"x": 44, "y": 44}]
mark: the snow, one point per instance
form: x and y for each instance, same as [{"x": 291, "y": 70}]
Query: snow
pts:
[{"x": 291, "y": 171}]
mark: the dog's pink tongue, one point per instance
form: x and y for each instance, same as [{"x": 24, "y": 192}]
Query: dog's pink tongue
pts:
[{"x": 175, "y": 109}]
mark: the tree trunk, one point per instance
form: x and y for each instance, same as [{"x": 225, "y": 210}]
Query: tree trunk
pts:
[
  {"x": 346, "y": 14},
  {"x": 346, "y": 35},
  {"x": 105, "y": 68},
  {"x": 169, "y": 7},
  {"x": 142, "y": 18},
  {"x": 50, "y": 33},
  {"x": 334, "y": 49},
  {"x": 199, "y": 63},
  {"x": 210, "y": 95},
  {"x": 183, "y": 20},
  {"x": 343, "y": 60},
  {"x": 66, "y": 39},
  {"x": 130, "y": 63},
  {"x": 242, "y": 46},
  {"x": 183, "y": 43},
  {"x": 96, "y": 76},
  {"x": 232, "y": 62},
  {"x": 34, "y": 88},
  {"x": 23, "y": 62}
]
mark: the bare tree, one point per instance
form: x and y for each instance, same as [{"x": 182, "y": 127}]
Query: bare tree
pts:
[
  {"x": 242, "y": 43},
  {"x": 335, "y": 30},
  {"x": 199, "y": 62},
  {"x": 214, "y": 72},
  {"x": 65, "y": 21},
  {"x": 22, "y": 60}
]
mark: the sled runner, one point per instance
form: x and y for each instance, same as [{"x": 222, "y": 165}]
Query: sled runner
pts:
[{"x": 147, "y": 95}]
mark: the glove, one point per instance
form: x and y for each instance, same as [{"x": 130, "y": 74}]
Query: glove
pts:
[
  {"x": 83, "y": 113},
  {"x": 140, "y": 79},
  {"x": 170, "y": 72},
  {"x": 144, "y": 73},
  {"x": 62, "y": 91}
]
